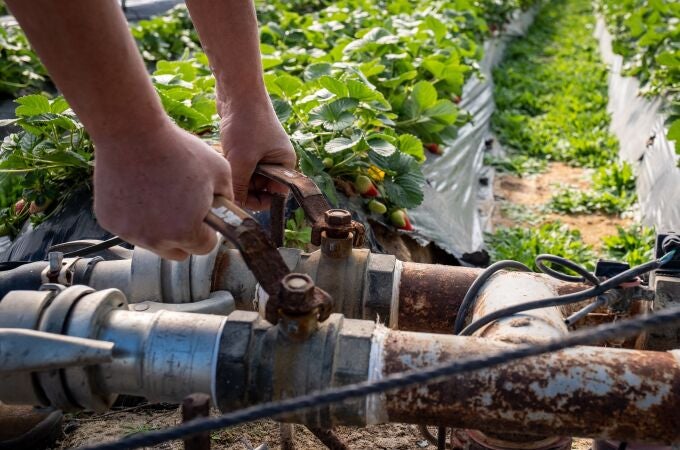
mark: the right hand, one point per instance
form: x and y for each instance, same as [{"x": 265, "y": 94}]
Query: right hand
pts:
[{"x": 155, "y": 190}]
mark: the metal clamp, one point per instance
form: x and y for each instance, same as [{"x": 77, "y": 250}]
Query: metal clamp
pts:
[
  {"x": 264, "y": 261},
  {"x": 312, "y": 201}
]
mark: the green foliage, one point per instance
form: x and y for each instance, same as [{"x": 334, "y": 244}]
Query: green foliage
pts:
[
  {"x": 166, "y": 36},
  {"x": 646, "y": 33},
  {"x": 518, "y": 165},
  {"x": 634, "y": 245},
  {"x": 187, "y": 92},
  {"x": 525, "y": 243},
  {"x": 297, "y": 233},
  {"x": 613, "y": 192},
  {"x": 47, "y": 159},
  {"x": 20, "y": 68},
  {"x": 551, "y": 91}
]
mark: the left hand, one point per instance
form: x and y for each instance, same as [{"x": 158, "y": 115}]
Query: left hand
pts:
[{"x": 250, "y": 137}]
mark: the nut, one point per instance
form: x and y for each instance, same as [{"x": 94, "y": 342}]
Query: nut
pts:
[{"x": 296, "y": 289}]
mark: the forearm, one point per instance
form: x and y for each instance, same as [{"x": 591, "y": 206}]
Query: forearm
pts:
[
  {"x": 229, "y": 35},
  {"x": 91, "y": 56}
]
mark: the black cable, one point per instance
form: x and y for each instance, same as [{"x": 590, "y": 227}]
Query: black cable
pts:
[
  {"x": 472, "y": 293},
  {"x": 90, "y": 249},
  {"x": 585, "y": 275},
  {"x": 569, "y": 298},
  {"x": 9, "y": 265},
  {"x": 591, "y": 336}
]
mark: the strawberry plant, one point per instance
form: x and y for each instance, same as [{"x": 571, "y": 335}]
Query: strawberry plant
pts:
[
  {"x": 20, "y": 68},
  {"x": 166, "y": 36},
  {"x": 39, "y": 165},
  {"x": 646, "y": 34}
]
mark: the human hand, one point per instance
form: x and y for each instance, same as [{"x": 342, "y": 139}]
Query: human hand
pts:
[
  {"x": 252, "y": 136},
  {"x": 155, "y": 190}
]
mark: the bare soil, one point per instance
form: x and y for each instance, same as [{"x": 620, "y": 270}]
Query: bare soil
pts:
[
  {"x": 85, "y": 429},
  {"x": 522, "y": 200}
]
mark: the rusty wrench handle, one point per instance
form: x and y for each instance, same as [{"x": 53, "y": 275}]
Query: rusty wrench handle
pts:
[{"x": 259, "y": 252}]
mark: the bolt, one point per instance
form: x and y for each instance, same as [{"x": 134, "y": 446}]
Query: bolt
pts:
[
  {"x": 55, "y": 261},
  {"x": 296, "y": 289},
  {"x": 670, "y": 242},
  {"x": 338, "y": 217}
]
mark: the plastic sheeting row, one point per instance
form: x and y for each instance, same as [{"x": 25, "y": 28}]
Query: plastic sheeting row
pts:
[
  {"x": 638, "y": 122},
  {"x": 449, "y": 215}
]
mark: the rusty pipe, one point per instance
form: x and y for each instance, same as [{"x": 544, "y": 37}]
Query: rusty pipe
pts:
[
  {"x": 407, "y": 296},
  {"x": 586, "y": 391},
  {"x": 504, "y": 289}
]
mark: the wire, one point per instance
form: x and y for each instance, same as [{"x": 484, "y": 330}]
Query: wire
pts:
[
  {"x": 104, "y": 245},
  {"x": 625, "y": 328},
  {"x": 567, "y": 264},
  {"x": 476, "y": 286},
  {"x": 569, "y": 298}
]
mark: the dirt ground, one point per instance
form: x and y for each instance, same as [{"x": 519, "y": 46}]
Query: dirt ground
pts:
[
  {"x": 520, "y": 202},
  {"x": 84, "y": 428}
]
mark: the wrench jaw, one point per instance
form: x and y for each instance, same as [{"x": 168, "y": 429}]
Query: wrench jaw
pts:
[{"x": 292, "y": 296}]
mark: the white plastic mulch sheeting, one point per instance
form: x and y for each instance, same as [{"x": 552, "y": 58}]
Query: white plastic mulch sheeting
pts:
[
  {"x": 638, "y": 122},
  {"x": 449, "y": 216}
]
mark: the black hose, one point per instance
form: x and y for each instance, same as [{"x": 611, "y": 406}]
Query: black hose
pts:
[
  {"x": 569, "y": 298},
  {"x": 90, "y": 249},
  {"x": 472, "y": 293},
  {"x": 585, "y": 275}
]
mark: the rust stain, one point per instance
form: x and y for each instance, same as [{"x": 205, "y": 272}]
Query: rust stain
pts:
[
  {"x": 430, "y": 296},
  {"x": 587, "y": 391}
]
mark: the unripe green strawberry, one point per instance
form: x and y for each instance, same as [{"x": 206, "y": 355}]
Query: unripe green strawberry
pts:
[
  {"x": 400, "y": 220},
  {"x": 377, "y": 207},
  {"x": 328, "y": 162},
  {"x": 365, "y": 186}
]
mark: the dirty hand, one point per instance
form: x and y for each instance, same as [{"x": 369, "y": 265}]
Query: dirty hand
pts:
[
  {"x": 250, "y": 137},
  {"x": 155, "y": 190}
]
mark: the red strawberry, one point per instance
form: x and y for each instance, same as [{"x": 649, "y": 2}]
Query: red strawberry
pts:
[
  {"x": 377, "y": 207},
  {"x": 400, "y": 220},
  {"x": 435, "y": 148},
  {"x": 19, "y": 206},
  {"x": 365, "y": 186}
]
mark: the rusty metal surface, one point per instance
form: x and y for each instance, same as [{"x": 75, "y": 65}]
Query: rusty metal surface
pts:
[
  {"x": 585, "y": 391},
  {"x": 430, "y": 296},
  {"x": 194, "y": 406},
  {"x": 277, "y": 217}
]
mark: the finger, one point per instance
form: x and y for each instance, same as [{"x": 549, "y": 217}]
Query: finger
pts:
[{"x": 240, "y": 181}]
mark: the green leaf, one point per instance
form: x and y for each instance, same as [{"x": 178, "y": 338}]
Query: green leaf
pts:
[
  {"x": 443, "y": 111},
  {"x": 334, "y": 86},
  {"x": 32, "y": 105},
  {"x": 334, "y": 116},
  {"x": 424, "y": 94},
  {"x": 282, "y": 109},
  {"x": 674, "y": 132},
  {"x": 411, "y": 145},
  {"x": 381, "y": 146},
  {"x": 316, "y": 70},
  {"x": 360, "y": 91},
  {"x": 342, "y": 143},
  {"x": 403, "y": 179},
  {"x": 59, "y": 105},
  {"x": 289, "y": 84}
]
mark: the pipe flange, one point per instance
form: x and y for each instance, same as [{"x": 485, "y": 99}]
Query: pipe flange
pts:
[
  {"x": 145, "y": 276},
  {"x": 85, "y": 320},
  {"x": 175, "y": 281},
  {"x": 22, "y": 309},
  {"x": 53, "y": 320}
]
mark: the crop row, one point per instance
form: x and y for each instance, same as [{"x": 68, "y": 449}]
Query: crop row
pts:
[
  {"x": 361, "y": 87},
  {"x": 646, "y": 33}
]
